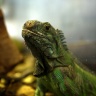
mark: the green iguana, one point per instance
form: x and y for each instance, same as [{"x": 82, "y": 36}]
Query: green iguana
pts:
[{"x": 56, "y": 69}]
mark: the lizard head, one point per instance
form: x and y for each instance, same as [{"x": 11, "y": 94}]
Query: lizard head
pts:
[{"x": 42, "y": 39}]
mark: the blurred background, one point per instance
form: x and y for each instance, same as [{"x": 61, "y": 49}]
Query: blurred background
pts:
[{"x": 76, "y": 18}]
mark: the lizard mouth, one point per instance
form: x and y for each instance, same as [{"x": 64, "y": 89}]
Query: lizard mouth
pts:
[{"x": 28, "y": 33}]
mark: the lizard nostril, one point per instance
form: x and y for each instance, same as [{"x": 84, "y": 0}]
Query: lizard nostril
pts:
[{"x": 28, "y": 24}]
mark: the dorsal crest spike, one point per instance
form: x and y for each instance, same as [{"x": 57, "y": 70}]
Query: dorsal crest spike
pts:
[{"x": 62, "y": 38}]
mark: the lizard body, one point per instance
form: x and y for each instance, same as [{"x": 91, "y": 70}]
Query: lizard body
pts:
[{"x": 56, "y": 69}]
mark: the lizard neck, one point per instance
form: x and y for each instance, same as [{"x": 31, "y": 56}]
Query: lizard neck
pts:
[
  {"x": 56, "y": 62},
  {"x": 46, "y": 65},
  {"x": 63, "y": 61}
]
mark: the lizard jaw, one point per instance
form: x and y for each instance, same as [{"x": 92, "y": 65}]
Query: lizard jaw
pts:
[
  {"x": 39, "y": 41},
  {"x": 28, "y": 33}
]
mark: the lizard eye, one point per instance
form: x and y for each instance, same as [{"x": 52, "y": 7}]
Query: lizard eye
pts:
[{"x": 47, "y": 27}]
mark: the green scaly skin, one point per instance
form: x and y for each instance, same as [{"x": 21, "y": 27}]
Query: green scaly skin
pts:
[{"x": 56, "y": 69}]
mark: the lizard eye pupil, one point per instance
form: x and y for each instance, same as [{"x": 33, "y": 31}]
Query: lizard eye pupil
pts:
[{"x": 47, "y": 27}]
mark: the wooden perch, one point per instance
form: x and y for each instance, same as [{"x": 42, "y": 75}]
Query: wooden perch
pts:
[{"x": 9, "y": 54}]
